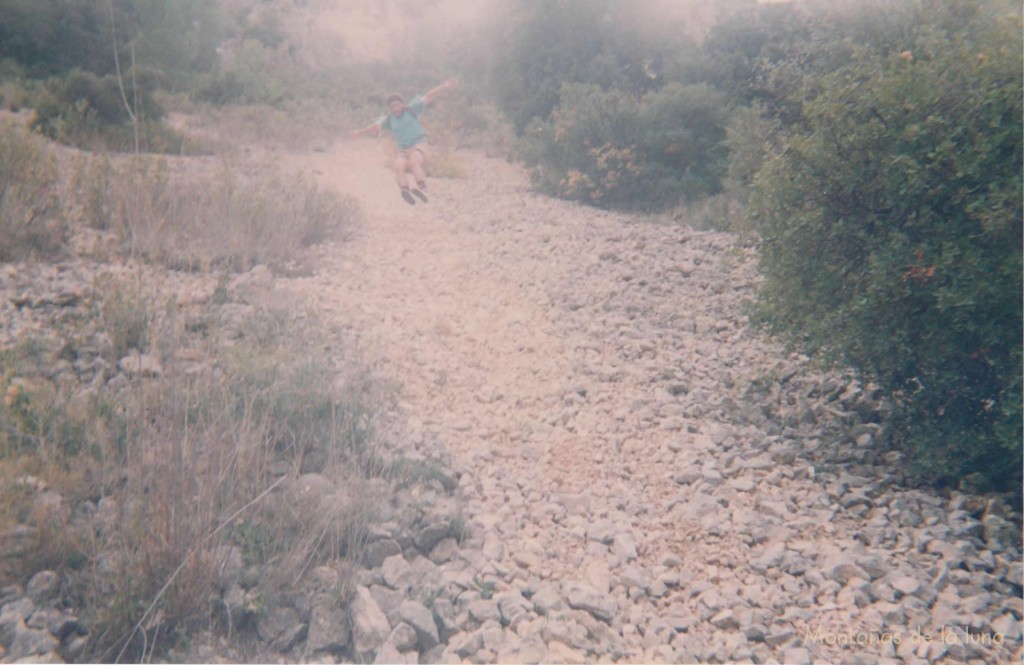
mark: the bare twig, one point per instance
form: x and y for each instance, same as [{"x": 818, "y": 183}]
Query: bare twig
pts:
[{"x": 120, "y": 79}]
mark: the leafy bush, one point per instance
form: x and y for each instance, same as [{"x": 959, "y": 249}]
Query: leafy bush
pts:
[
  {"x": 84, "y": 110},
  {"x": 606, "y": 148},
  {"x": 681, "y": 133},
  {"x": 891, "y": 223}
]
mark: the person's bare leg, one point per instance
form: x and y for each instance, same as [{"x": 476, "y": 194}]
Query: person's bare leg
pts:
[
  {"x": 416, "y": 160},
  {"x": 400, "y": 167}
]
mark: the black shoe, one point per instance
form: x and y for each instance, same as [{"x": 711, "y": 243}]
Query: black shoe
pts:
[
  {"x": 407, "y": 195},
  {"x": 421, "y": 195}
]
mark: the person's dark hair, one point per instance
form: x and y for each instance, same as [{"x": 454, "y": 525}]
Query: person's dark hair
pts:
[{"x": 395, "y": 98}]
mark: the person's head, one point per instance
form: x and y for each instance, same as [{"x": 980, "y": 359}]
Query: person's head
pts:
[{"x": 396, "y": 104}]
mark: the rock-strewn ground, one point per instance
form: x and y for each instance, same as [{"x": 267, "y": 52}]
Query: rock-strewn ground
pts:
[
  {"x": 612, "y": 465},
  {"x": 644, "y": 478}
]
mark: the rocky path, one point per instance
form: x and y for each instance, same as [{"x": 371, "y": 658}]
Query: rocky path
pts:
[{"x": 642, "y": 476}]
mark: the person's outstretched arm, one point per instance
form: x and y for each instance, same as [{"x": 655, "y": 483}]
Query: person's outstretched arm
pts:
[
  {"x": 373, "y": 129},
  {"x": 434, "y": 93}
]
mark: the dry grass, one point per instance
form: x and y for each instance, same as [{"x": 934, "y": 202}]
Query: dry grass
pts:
[
  {"x": 218, "y": 219},
  {"x": 158, "y": 480},
  {"x": 299, "y": 126},
  {"x": 137, "y": 489},
  {"x": 32, "y": 222},
  {"x": 193, "y": 214}
]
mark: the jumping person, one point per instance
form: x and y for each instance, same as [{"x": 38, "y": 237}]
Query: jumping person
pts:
[{"x": 403, "y": 122}]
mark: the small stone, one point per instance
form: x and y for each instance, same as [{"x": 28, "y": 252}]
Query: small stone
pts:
[
  {"x": 797, "y": 656},
  {"x": 725, "y": 620},
  {"x": 493, "y": 547},
  {"x": 908, "y": 586},
  {"x": 546, "y": 599},
  {"x": 775, "y": 509},
  {"x": 633, "y": 578},
  {"x": 430, "y": 535},
  {"x": 670, "y": 561},
  {"x": 840, "y": 569},
  {"x": 603, "y": 531},
  {"x": 389, "y": 654},
  {"x": 404, "y": 638},
  {"x": 28, "y": 644},
  {"x": 587, "y": 598},
  {"x": 772, "y": 557},
  {"x": 484, "y": 610},
  {"x": 512, "y": 606},
  {"x": 575, "y": 504},
  {"x": 396, "y": 573},
  {"x": 687, "y": 477},
  {"x": 566, "y": 654},
  {"x": 370, "y": 626},
  {"x": 375, "y": 553},
  {"x": 467, "y": 644},
  {"x": 527, "y": 560},
  {"x": 43, "y": 588},
  {"x": 281, "y": 628},
  {"x": 779, "y": 638},
  {"x": 422, "y": 620},
  {"x": 444, "y": 551},
  {"x": 624, "y": 547},
  {"x": 743, "y": 484},
  {"x": 328, "y": 630}
]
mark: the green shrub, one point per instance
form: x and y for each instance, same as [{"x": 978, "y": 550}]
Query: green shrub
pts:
[
  {"x": 606, "y": 148},
  {"x": 681, "y": 137},
  {"x": 86, "y": 111},
  {"x": 892, "y": 234},
  {"x": 641, "y": 126}
]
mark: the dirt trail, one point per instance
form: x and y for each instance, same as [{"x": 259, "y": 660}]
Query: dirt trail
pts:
[
  {"x": 462, "y": 331},
  {"x": 461, "y": 317}
]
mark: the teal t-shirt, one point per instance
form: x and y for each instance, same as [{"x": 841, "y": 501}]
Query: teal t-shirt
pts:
[{"x": 406, "y": 128}]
